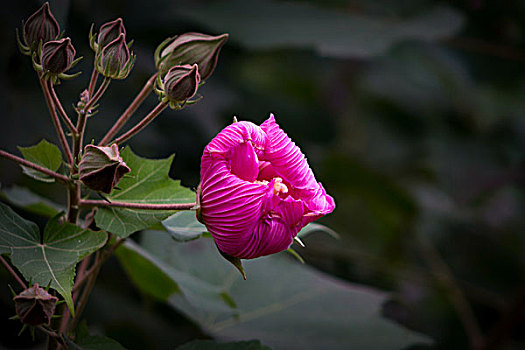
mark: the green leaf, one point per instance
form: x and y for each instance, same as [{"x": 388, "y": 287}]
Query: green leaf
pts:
[
  {"x": 283, "y": 303},
  {"x": 52, "y": 258},
  {"x": 44, "y": 154},
  {"x": 213, "y": 345},
  {"x": 164, "y": 281},
  {"x": 331, "y": 33},
  {"x": 313, "y": 227},
  {"x": 151, "y": 277},
  {"x": 183, "y": 227},
  {"x": 23, "y": 198},
  {"x": 148, "y": 182}
]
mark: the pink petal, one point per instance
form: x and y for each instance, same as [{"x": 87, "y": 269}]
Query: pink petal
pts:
[{"x": 286, "y": 158}]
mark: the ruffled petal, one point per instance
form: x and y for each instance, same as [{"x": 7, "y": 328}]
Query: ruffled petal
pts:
[{"x": 286, "y": 158}]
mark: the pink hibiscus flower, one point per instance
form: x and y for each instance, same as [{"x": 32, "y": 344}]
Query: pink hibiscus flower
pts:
[{"x": 257, "y": 190}]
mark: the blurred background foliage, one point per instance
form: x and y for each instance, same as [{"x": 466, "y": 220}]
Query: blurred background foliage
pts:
[{"x": 412, "y": 114}]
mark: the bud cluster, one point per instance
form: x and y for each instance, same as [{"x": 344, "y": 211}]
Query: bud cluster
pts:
[
  {"x": 112, "y": 56},
  {"x": 190, "y": 48},
  {"x": 183, "y": 63},
  {"x": 52, "y": 56}
]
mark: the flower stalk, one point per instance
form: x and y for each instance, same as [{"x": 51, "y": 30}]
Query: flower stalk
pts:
[
  {"x": 121, "y": 121},
  {"x": 142, "y": 124},
  {"x": 56, "y": 122},
  {"x": 60, "y": 108}
]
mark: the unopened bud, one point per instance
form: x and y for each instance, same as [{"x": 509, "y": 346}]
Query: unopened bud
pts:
[
  {"x": 181, "y": 83},
  {"x": 34, "y": 306},
  {"x": 101, "y": 168},
  {"x": 110, "y": 31},
  {"x": 114, "y": 60},
  {"x": 41, "y": 26},
  {"x": 57, "y": 56},
  {"x": 190, "y": 48}
]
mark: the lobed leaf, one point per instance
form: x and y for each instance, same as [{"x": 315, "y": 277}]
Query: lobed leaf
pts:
[
  {"x": 51, "y": 258},
  {"x": 283, "y": 303}
]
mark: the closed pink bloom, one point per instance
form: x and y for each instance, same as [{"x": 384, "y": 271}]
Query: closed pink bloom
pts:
[{"x": 257, "y": 190}]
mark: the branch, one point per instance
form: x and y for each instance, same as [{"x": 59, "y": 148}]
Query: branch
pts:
[
  {"x": 146, "y": 90},
  {"x": 61, "y": 110},
  {"x": 174, "y": 206},
  {"x": 143, "y": 123},
  {"x": 29, "y": 164},
  {"x": 56, "y": 122},
  {"x": 13, "y": 272},
  {"x": 92, "y": 82}
]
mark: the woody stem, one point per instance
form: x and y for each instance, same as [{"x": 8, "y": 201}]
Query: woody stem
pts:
[{"x": 146, "y": 90}]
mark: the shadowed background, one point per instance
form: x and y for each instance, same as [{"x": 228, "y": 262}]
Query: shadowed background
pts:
[{"x": 412, "y": 115}]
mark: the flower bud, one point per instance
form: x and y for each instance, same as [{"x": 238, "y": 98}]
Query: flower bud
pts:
[
  {"x": 57, "y": 56},
  {"x": 40, "y": 26},
  {"x": 109, "y": 32},
  {"x": 101, "y": 168},
  {"x": 190, "y": 48},
  {"x": 34, "y": 306},
  {"x": 114, "y": 60},
  {"x": 181, "y": 83}
]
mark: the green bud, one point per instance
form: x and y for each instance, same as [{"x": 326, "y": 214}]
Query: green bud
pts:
[
  {"x": 190, "y": 48},
  {"x": 114, "y": 60}
]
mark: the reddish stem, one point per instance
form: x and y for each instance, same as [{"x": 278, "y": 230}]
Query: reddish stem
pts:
[
  {"x": 56, "y": 122},
  {"x": 146, "y": 90},
  {"x": 145, "y": 206},
  {"x": 28, "y": 164},
  {"x": 15, "y": 275},
  {"x": 143, "y": 123},
  {"x": 92, "y": 82},
  {"x": 61, "y": 110}
]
